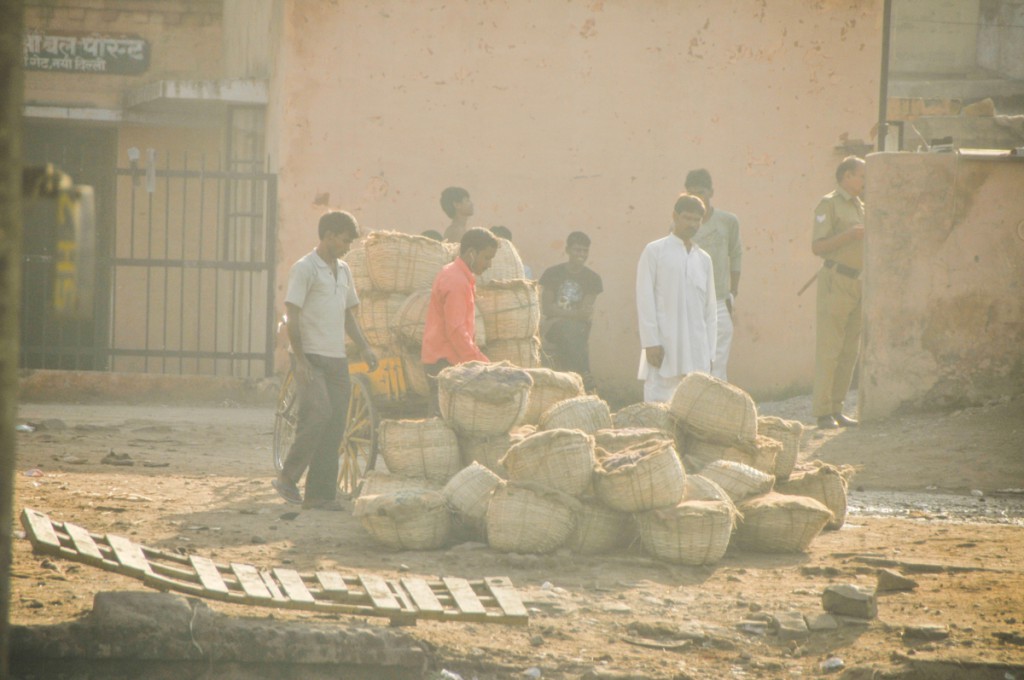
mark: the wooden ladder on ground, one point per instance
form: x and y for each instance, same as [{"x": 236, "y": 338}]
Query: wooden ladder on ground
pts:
[{"x": 404, "y": 600}]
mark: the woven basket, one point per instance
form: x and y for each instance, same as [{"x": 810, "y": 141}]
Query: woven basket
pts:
[
  {"x": 411, "y": 318},
  {"x": 616, "y": 441},
  {"x": 488, "y": 450},
  {"x": 587, "y": 413},
  {"x": 549, "y": 388},
  {"x": 700, "y": 488},
  {"x": 478, "y": 398},
  {"x": 378, "y": 482},
  {"x": 406, "y": 520},
  {"x": 419, "y": 448},
  {"x": 356, "y": 260},
  {"x": 558, "y": 459},
  {"x": 600, "y": 529},
  {"x": 714, "y": 410},
  {"x": 739, "y": 481},
  {"x": 377, "y": 313},
  {"x": 506, "y": 264},
  {"x": 511, "y": 309},
  {"x": 653, "y": 415},
  {"x": 693, "y": 532},
  {"x": 642, "y": 478},
  {"x": 524, "y": 352},
  {"x": 415, "y": 372},
  {"x": 527, "y": 519},
  {"x": 761, "y": 456},
  {"x": 776, "y": 523},
  {"x": 469, "y": 492},
  {"x": 402, "y": 263},
  {"x": 826, "y": 484},
  {"x": 789, "y": 432}
]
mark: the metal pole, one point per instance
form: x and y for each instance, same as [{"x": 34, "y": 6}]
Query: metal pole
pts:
[{"x": 883, "y": 95}]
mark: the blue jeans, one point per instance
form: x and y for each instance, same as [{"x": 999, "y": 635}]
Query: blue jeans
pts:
[{"x": 323, "y": 408}]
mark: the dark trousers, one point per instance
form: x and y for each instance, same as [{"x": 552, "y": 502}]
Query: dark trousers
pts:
[
  {"x": 432, "y": 371},
  {"x": 567, "y": 342},
  {"x": 323, "y": 408}
]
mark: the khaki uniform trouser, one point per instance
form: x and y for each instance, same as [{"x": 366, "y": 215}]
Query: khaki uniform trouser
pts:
[{"x": 838, "y": 340}]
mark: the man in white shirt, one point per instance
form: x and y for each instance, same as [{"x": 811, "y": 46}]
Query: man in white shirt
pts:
[
  {"x": 676, "y": 306},
  {"x": 320, "y": 300}
]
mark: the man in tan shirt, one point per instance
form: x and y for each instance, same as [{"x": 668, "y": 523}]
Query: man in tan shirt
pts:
[{"x": 838, "y": 239}]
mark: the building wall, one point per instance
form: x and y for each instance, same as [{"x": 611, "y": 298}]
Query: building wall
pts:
[
  {"x": 938, "y": 37},
  {"x": 1001, "y": 37},
  {"x": 944, "y": 282},
  {"x": 561, "y": 115}
]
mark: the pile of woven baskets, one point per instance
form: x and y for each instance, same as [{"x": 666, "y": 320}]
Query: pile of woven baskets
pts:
[
  {"x": 524, "y": 460},
  {"x": 393, "y": 273}
]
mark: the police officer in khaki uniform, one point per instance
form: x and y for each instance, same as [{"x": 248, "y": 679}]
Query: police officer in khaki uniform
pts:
[{"x": 839, "y": 239}]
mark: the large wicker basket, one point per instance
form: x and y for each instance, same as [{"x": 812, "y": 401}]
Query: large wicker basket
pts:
[
  {"x": 760, "y": 456},
  {"x": 693, "y": 532},
  {"x": 378, "y": 482},
  {"x": 406, "y": 520},
  {"x": 356, "y": 260},
  {"x": 549, "y": 388},
  {"x": 420, "y": 448},
  {"x": 616, "y": 441},
  {"x": 714, "y": 410},
  {"x": 645, "y": 415},
  {"x": 789, "y": 432},
  {"x": 600, "y": 530},
  {"x": 469, "y": 492},
  {"x": 527, "y": 519},
  {"x": 776, "y": 523},
  {"x": 559, "y": 459},
  {"x": 402, "y": 263},
  {"x": 377, "y": 314},
  {"x": 700, "y": 488},
  {"x": 478, "y": 398},
  {"x": 522, "y": 352},
  {"x": 826, "y": 484},
  {"x": 642, "y": 478},
  {"x": 506, "y": 264},
  {"x": 739, "y": 480},
  {"x": 511, "y": 309},
  {"x": 488, "y": 450},
  {"x": 415, "y": 372},
  {"x": 588, "y": 413}
]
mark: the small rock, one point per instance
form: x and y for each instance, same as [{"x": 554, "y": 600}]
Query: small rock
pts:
[
  {"x": 822, "y": 622},
  {"x": 890, "y": 581},
  {"x": 449, "y": 675},
  {"x": 927, "y": 631},
  {"x": 790, "y": 626},
  {"x": 753, "y": 627},
  {"x": 537, "y": 640},
  {"x": 849, "y": 600},
  {"x": 288, "y": 516},
  {"x": 977, "y": 493},
  {"x": 616, "y": 608},
  {"x": 258, "y": 540},
  {"x": 403, "y": 567},
  {"x": 52, "y": 425},
  {"x": 832, "y": 664},
  {"x": 532, "y": 673}
]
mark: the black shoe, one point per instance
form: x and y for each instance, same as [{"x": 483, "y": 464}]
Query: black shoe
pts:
[
  {"x": 844, "y": 421},
  {"x": 827, "y": 423},
  {"x": 287, "y": 490}
]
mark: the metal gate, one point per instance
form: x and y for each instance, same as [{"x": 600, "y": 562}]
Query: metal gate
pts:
[{"x": 191, "y": 270}]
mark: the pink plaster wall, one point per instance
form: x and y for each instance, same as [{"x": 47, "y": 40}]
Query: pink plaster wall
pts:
[
  {"x": 559, "y": 115},
  {"x": 944, "y": 282}
]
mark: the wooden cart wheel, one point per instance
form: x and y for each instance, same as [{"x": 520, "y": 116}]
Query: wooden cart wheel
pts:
[
  {"x": 285, "y": 419},
  {"x": 358, "y": 451}
]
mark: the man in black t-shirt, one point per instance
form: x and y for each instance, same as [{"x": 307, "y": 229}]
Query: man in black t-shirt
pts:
[{"x": 568, "y": 292}]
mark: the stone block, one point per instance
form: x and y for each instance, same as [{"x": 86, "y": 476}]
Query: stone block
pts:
[{"x": 849, "y": 600}]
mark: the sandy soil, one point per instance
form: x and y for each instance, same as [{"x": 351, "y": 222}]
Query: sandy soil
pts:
[{"x": 200, "y": 483}]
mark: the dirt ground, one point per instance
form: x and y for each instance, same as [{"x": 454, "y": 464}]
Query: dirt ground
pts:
[{"x": 200, "y": 483}]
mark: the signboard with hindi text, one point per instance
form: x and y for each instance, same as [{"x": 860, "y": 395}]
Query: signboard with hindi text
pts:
[{"x": 85, "y": 53}]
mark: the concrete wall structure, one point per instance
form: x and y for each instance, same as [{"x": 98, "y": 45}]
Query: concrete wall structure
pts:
[
  {"x": 944, "y": 282},
  {"x": 583, "y": 115}
]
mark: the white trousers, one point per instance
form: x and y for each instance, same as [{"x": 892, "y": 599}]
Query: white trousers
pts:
[
  {"x": 661, "y": 389},
  {"x": 723, "y": 342}
]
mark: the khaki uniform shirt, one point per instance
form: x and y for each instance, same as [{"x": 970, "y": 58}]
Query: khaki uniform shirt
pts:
[{"x": 837, "y": 212}]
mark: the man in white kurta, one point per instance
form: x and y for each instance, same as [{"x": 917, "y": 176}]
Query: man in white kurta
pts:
[{"x": 676, "y": 305}]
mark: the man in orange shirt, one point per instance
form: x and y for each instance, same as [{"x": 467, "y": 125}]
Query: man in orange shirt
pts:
[{"x": 448, "y": 334}]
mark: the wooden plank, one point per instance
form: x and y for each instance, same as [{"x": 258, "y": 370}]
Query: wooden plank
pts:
[
  {"x": 465, "y": 599},
  {"x": 271, "y": 584},
  {"x": 86, "y": 547},
  {"x": 208, "y": 574},
  {"x": 293, "y": 586},
  {"x": 379, "y": 593},
  {"x": 249, "y": 578},
  {"x": 333, "y": 584},
  {"x": 40, "y": 530},
  {"x": 422, "y": 595},
  {"x": 506, "y": 596},
  {"x": 129, "y": 555}
]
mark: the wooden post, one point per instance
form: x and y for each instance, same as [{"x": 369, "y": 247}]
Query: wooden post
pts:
[{"x": 11, "y": 93}]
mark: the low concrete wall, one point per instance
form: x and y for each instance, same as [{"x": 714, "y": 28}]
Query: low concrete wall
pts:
[
  {"x": 97, "y": 386},
  {"x": 944, "y": 282}
]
